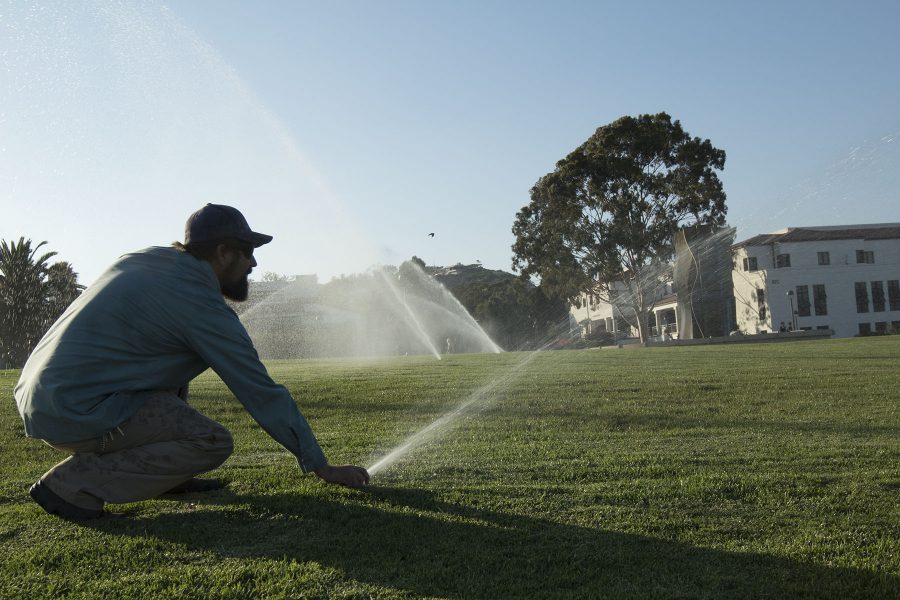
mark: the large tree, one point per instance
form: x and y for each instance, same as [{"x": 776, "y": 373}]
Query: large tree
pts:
[
  {"x": 33, "y": 295},
  {"x": 603, "y": 221}
]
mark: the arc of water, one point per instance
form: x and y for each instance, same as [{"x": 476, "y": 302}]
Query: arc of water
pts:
[
  {"x": 459, "y": 320},
  {"x": 445, "y": 293},
  {"x": 419, "y": 329},
  {"x": 265, "y": 303},
  {"x": 474, "y": 324},
  {"x": 476, "y": 401},
  {"x": 468, "y": 325}
]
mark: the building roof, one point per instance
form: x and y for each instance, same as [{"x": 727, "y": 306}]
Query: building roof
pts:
[{"x": 875, "y": 231}]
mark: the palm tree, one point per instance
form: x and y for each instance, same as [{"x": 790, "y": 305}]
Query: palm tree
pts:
[
  {"x": 23, "y": 299},
  {"x": 61, "y": 289}
]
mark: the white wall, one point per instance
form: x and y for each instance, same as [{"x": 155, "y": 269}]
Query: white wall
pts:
[
  {"x": 594, "y": 310},
  {"x": 839, "y": 278},
  {"x": 746, "y": 283}
]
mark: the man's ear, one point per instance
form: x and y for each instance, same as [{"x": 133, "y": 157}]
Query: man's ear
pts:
[
  {"x": 221, "y": 258},
  {"x": 222, "y": 253}
]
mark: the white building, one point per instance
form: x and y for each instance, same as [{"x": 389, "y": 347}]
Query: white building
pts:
[
  {"x": 690, "y": 298},
  {"x": 844, "y": 278},
  {"x": 596, "y": 317}
]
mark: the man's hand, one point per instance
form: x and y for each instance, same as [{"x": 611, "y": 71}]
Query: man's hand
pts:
[{"x": 349, "y": 475}]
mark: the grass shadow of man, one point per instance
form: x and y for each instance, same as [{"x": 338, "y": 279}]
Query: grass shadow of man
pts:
[{"x": 408, "y": 540}]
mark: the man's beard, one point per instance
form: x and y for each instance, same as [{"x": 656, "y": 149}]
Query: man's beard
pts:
[{"x": 237, "y": 291}]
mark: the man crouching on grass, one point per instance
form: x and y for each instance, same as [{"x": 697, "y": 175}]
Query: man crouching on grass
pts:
[{"x": 108, "y": 382}]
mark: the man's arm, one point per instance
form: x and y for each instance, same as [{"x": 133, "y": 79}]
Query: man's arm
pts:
[{"x": 224, "y": 344}]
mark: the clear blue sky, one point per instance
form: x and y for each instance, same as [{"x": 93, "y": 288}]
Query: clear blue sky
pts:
[{"x": 350, "y": 130}]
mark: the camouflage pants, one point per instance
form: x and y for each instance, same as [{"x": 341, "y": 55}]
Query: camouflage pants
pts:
[{"x": 164, "y": 444}]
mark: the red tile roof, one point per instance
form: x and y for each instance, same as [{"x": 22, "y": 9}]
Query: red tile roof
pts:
[{"x": 887, "y": 231}]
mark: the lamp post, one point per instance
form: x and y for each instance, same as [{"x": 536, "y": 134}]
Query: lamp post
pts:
[{"x": 790, "y": 296}]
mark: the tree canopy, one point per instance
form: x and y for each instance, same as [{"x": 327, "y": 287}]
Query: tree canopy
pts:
[
  {"x": 516, "y": 315},
  {"x": 33, "y": 295},
  {"x": 603, "y": 220}
]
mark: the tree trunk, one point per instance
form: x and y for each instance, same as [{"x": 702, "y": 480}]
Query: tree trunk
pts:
[{"x": 643, "y": 329}]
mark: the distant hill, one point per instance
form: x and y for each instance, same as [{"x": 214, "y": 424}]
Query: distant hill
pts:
[{"x": 460, "y": 275}]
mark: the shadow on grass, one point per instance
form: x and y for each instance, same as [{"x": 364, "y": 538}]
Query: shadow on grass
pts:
[{"x": 406, "y": 540}]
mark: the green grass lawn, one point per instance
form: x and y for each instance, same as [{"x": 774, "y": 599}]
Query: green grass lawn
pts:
[{"x": 769, "y": 470}]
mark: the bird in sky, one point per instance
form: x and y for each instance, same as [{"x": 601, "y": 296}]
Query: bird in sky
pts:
[{"x": 430, "y": 235}]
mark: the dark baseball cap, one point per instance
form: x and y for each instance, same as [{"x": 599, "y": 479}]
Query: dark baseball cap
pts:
[{"x": 216, "y": 222}]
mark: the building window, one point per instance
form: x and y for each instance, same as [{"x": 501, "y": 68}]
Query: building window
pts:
[
  {"x": 862, "y": 297},
  {"x": 881, "y": 327},
  {"x": 895, "y": 325},
  {"x": 782, "y": 261},
  {"x": 894, "y": 294},
  {"x": 761, "y": 304},
  {"x": 824, "y": 258},
  {"x": 877, "y": 296},
  {"x": 823, "y": 327},
  {"x": 865, "y": 257},
  {"x": 750, "y": 263},
  {"x": 820, "y": 300},
  {"x": 865, "y": 329},
  {"x": 803, "y": 301}
]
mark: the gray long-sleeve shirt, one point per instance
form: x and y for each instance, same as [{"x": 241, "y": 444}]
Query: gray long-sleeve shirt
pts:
[{"x": 154, "y": 320}]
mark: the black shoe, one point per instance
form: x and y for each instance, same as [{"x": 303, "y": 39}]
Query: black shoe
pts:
[
  {"x": 196, "y": 484},
  {"x": 55, "y": 505}
]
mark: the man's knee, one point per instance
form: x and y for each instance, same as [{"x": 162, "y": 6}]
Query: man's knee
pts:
[{"x": 221, "y": 444}]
